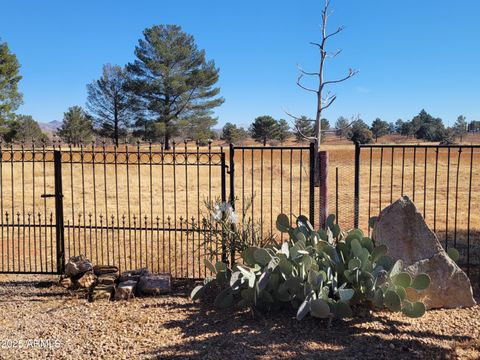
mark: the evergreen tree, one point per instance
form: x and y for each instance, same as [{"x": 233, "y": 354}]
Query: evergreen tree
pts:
[
  {"x": 24, "y": 129},
  {"x": 474, "y": 126},
  {"x": 426, "y": 127},
  {"x": 379, "y": 128},
  {"x": 342, "y": 126},
  {"x": 198, "y": 129},
  {"x": 283, "y": 131},
  {"x": 171, "y": 79},
  {"x": 360, "y": 133},
  {"x": 398, "y": 126},
  {"x": 108, "y": 102},
  {"x": 264, "y": 128},
  {"x": 325, "y": 124},
  {"x": 77, "y": 127},
  {"x": 10, "y": 97},
  {"x": 303, "y": 127},
  {"x": 460, "y": 127},
  {"x": 233, "y": 134}
]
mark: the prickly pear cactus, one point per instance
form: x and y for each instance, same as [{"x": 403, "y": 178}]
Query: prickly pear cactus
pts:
[{"x": 321, "y": 273}]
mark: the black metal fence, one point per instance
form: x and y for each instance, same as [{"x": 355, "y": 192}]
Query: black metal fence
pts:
[
  {"x": 143, "y": 206},
  {"x": 138, "y": 206},
  {"x": 441, "y": 180}
]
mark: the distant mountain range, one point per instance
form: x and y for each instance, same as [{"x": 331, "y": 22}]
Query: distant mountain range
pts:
[{"x": 50, "y": 127}]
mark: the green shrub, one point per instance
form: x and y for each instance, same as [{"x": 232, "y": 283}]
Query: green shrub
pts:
[{"x": 321, "y": 273}]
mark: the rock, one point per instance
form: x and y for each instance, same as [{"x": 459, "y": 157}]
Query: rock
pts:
[
  {"x": 76, "y": 266},
  {"x": 105, "y": 269},
  {"x": 155, "y": 284},
  {"x": 125, "y": 290},
  {"x": 133, "y": 274},
  {"x": 101, "y": 292},
  {"x": 87, "y": 280},
  {"x": 403, "y": 230}
]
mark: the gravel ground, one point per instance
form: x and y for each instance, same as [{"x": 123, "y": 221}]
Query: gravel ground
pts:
[{"x": 172, "y": 327}]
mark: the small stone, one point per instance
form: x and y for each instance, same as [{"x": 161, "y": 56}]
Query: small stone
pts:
[
  {"x": 392, "y": 346},
  {"x": 155, "y": 284}
]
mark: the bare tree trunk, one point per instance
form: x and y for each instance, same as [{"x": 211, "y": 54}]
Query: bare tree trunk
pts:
[
  {"x": 167, "y": 141},
  {"x": 323, "y": 101}
]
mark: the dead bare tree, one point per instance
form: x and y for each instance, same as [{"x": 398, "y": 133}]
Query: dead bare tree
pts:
[{"x": 324, "y": 97}]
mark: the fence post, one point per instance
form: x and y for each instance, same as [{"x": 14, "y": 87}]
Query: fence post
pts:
[
  {"x": 224, "y": 200},
  {"x": 232, "y": 174},
  {"x": 232, "y": 193},
  {"x": 59, "y": 228},
  {"x": 323, "y": 166},
  {"x": 311, "y": 194},
  {"x": 357, "y": 184}
]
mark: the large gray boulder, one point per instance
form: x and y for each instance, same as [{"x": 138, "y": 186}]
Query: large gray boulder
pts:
[{"x": 403, "y": 230}]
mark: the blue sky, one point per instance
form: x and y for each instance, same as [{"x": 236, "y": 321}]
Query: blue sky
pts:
[{"x": 410, "y": 54}]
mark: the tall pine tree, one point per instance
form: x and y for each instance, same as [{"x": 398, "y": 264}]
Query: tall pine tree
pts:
[
  {"x": 77, "y": 127},
  {"x": 264, "y": 128},
  {"x": 10, "y": 97},
  {"x": 171, "y": 78},
  {"x": 109, "y": 104}
]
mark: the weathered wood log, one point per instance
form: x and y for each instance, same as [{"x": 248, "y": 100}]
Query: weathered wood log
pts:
[
  {"x": 76, "y": 266},
  {"x": 101, "y": 292},
  {"x": 67, "y": 283},
  {"x": 107, "y": 279},
  {"x": 125, "y": 290},
  {"x": 105, "y": 269},
  {"x": 133, "y": 274},
  {"x": 87, "y": 280},
  {"x": 155, "y": 284}
]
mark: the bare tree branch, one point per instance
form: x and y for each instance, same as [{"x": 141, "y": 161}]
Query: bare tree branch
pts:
[
  {"x": 306, "y": 72},
  {"x": 334, "y": 54},
  {"x": 340, "y": 29},
  {"x": 310, "y": 138},
  {"x": 351, "y": 73},
  {"x": 330, "y": 102},
  {"x": 304, "y": 87}
]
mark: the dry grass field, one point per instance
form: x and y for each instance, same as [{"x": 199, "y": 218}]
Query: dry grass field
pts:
[{"x": 127, "y": 211}]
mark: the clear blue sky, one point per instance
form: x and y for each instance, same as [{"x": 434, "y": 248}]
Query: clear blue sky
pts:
[{"x": 411, "y": 54}]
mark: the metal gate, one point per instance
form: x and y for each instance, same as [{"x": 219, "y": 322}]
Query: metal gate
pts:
[
  {"x": 131, "y": 206},
  {"x": 31, "y": 233}
]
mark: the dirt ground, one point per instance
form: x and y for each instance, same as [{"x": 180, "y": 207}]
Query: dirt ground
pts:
[{"x": 41, "y": 320}]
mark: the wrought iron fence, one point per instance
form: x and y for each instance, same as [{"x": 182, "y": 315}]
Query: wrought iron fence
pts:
[
  {"x": 441, "y": 180},
  {"x": 143, "y": 206},
  {"x": 138, "y": 206},
  {"x": 132, "y": 207}
]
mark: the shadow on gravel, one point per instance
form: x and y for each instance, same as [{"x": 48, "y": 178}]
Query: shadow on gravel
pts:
[
  {"x": 30, "y": 290},
  {"x": 214, "y": 334}
]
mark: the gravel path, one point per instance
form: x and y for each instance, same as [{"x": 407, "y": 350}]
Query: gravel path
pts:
[{"x": 172, "y": 327}]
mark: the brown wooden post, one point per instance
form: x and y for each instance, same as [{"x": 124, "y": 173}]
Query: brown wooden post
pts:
[{"x": 323, "y": 167}]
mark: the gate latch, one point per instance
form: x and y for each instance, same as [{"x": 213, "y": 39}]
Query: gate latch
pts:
[{"x": 50, "y": 195}]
